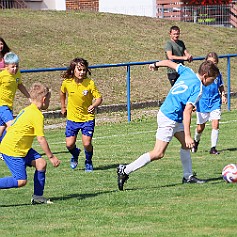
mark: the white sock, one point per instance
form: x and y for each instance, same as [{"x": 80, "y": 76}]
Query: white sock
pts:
[
  {"x": 138, "y": 163},
  {"x": 214, "y": 137},
  {"x": 186, "y": 162},
  {"x": 197, "y": 136}
]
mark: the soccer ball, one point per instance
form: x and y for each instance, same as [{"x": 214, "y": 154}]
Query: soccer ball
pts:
[{"x": 229, "y": 173}]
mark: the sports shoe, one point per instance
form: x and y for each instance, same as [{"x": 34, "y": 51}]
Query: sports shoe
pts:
[
  {"x": 88, "y": 167},
  {"x": 214, "y": 151},
  {"x": 195, "y": 147},
  {"x": 122, "y": 176},
  {"x": 1, "y": 156},
  {"x": 74, "y": 161},
  {"x": 192, "y": 179},
  {"x": 40, "y": 200}
]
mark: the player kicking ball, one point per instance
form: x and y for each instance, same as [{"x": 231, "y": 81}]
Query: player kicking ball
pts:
[
  {"x": 174, "y": 118},
  {"x": 16, "y": 146}
]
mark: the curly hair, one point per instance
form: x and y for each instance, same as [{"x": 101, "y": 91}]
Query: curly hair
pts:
[{"x": 70, "y": 70}]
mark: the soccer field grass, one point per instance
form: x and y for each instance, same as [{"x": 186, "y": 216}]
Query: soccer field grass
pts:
[{"x": 154, "y": 202}]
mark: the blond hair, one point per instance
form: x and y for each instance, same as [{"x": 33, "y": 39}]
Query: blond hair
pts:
[{"x": 38, "y": 91}]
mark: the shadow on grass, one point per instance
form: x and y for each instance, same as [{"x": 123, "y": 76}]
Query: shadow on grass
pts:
[
  {"x": 56, "y": 152},
  {"x": 80, "y": 196},
  {"x": 229, "y": 149},
  {"x": 219, "y": 179},
  {"x": 17, "y": 205},
  {"x": 106, "y": 167}
]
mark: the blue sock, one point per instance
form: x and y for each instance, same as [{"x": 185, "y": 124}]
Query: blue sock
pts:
[
  {"x": 39, "y": 182},
  {"x": 8, "y": 182},
  {"x": 88, "y": 155},
  {"x": 75, "y": 152}
]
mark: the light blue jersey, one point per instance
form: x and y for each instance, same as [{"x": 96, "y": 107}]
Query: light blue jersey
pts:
[
  {"x": 187, "y": 89},
  {"x": 211, "y": 99}
]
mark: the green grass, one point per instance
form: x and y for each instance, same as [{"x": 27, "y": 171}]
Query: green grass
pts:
[
  {"x": 154, "y": 202},
  {"x": 49, "y": 39}
]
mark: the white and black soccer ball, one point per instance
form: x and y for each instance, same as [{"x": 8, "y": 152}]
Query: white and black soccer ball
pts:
[{"x": 229, "y": 173}]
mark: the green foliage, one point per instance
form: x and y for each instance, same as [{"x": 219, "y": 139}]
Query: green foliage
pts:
[{"x": 154, "y": 202}]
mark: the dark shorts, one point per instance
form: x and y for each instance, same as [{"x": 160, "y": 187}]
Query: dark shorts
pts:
[
  {"x": 17, "y": 165},
  {"x": 173, "y": 77},
  {"x": 87, "y": 128},
  {"x": 6, "y": 115}
]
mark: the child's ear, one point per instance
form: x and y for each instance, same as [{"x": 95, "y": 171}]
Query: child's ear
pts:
[{"x": 205, "y": 76}]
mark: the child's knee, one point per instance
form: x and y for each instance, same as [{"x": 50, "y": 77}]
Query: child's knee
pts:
[
  {"x": 21, "y": 183},
  {"x": 41, "y": 164}
]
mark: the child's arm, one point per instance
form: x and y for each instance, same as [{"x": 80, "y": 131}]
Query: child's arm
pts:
[
  {"x": 63, "y": 103},
  {"x": 163, "y": 63},
  {"x": 186, "y": 122},
  {"x": 45, "y": 147},
  {"x": 95, "y": 104},
  {"x": 23, "y": 90},
  {"x": 223, "y": 96}
]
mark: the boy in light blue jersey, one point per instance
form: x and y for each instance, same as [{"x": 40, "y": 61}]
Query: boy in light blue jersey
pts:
[
  {"x": 208, "y": 108},
  {"x": 174, "y": 118}
]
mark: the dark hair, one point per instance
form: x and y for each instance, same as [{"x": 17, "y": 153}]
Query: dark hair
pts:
[
  {"x": 213, "y": 55},
  {"x": 70, "y": 70},
  {"x": 209, "y": 68},
  {"x": 5, "y": 49},
  {"x": 174, "y": 28}
]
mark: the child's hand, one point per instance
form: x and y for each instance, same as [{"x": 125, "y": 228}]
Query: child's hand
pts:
[
  {"x": 64, "y": 112},
  {"x": 152, "y": 67},
  {"x": 91, "y": 109},
  {"x": 223, "y": 98},
  {"x": 55, "y": 161}
]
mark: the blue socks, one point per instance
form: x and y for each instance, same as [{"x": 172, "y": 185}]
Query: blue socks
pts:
[
  {"x": 39, "y": 182},
  {"x": 88, "y": 155},
  {"x": 8, "y": 182},
  {"x": 75, "y": 152}
]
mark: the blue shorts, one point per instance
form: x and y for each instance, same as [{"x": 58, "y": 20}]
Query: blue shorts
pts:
[
  {"x": 87, "y": 128},
  {"x": 5, "y": 115},
  {"x": 17, "y": 165}
]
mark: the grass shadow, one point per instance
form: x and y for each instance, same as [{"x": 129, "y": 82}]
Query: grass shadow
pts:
[{"x": 80, "y": 196}]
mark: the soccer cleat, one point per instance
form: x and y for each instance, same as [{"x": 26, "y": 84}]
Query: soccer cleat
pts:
[
  {"x": 192, "y": 180},
  {"x": 74, "y": 161},
  {"x": 88, "y": 167},
  {"x": 195, "y": 147},
  {"x": 213, "y": 151},
  {"x": 40, "y": 200},
  {"x": 122, "y": 176}
]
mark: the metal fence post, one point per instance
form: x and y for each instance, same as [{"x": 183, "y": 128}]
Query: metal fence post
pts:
[
  {"x": 128, "y": 94},
  {"x": 228, "y": 83}
]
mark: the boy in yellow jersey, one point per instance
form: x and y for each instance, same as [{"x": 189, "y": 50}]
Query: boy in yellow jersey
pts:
[
  {"x": 16, "y": 146},
  {"x": 10, "y": 81},
  {"x": 83, "y": 98}
]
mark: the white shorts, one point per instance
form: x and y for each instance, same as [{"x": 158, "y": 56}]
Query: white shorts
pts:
[
  {"x": 167, "y": 128},
  {"x": 204, "y": 117}
]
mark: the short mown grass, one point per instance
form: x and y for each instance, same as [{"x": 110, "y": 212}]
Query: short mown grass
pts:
[{"x": 154, "y": 202}]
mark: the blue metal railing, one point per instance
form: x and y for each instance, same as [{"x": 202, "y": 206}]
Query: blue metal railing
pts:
[{"x": 128, "y": 66}]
